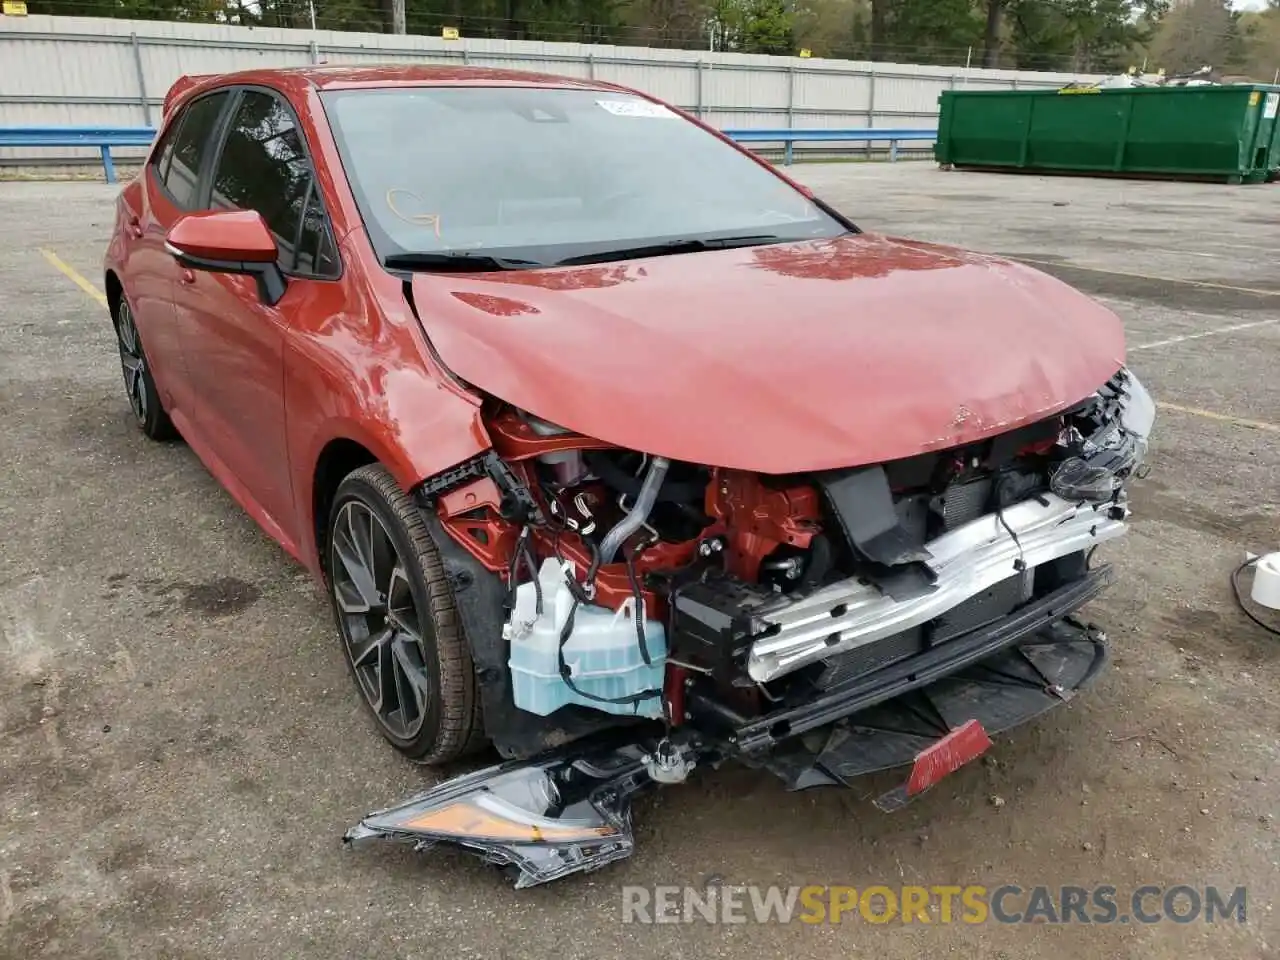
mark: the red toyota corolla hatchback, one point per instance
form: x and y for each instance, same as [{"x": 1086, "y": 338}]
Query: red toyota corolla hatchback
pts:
[{"x": 613, "y": 447}]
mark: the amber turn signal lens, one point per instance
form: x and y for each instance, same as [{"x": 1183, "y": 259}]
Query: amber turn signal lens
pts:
[{"x": 466, "y": 819}]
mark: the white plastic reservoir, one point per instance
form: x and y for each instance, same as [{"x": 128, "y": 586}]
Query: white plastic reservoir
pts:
[{"x": 602, "y": 652}]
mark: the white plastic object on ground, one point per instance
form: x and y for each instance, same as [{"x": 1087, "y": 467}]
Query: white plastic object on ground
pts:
[{"x": 1266, "y": 581}]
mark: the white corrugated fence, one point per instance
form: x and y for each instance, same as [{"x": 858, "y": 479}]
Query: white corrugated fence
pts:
[{"x": 104, "y": 72}]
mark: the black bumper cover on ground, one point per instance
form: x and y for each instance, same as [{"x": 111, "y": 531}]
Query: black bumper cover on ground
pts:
[{"x": 999, "y": 692}]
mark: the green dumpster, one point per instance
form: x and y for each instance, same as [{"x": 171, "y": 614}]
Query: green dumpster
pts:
[
  {"x": 1272, "y": 106},
  {"x": 1227, "y": 132}
]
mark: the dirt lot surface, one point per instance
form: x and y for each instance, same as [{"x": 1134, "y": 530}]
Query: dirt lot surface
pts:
[{"x": 181, "y": 747}]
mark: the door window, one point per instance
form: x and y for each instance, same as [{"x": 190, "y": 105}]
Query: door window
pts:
[
  {"x": 263, "y": 166},
  {"x": 189, "y": 148},
  {"x": 160, "y": 159}
]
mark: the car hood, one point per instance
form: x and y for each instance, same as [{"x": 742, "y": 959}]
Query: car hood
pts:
[{"x": 779, "y": 358}]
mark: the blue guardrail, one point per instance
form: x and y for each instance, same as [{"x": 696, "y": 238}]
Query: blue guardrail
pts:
[{"x": 104, "y": 138}]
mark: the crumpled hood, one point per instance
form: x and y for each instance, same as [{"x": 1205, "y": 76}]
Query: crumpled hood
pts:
[{"x": 778, "y": 359}]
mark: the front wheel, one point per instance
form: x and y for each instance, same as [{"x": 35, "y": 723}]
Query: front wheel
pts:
[{"x": 399, "y": 625}]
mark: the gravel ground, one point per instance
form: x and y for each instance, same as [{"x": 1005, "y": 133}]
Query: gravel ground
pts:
[{"x": 181, "y": 748}]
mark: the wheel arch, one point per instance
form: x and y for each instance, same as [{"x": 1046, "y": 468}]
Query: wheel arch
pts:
[
  {"x": 412, "y": 446},
  {"x": 115, "y": 291},
  {"x": 336, "y": 460}
]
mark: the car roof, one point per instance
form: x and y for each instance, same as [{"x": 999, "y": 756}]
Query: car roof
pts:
[
  {"x": 298, "y": 80},
  {"x": 338, "y": 76}
]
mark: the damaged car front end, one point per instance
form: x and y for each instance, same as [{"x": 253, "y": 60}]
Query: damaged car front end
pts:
[{"x": 633, "y": 617}]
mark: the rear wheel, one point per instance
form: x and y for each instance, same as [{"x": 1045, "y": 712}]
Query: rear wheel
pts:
[
  {"x": 399, "y": 626},
  {"x": 144, "y": 398}
]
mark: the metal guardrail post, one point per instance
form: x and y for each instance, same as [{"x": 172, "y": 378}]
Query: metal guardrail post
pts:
[
  {"x": 591, "y": 66},
  {"x": 314, "y": 50},
  {"x": 871, "y": 105},
  {"x": 142, "y": 83},
  {"x": 108, "y": 168},
  {"x": 791, "y": 95},
  {"x": 697, "y": 109}
]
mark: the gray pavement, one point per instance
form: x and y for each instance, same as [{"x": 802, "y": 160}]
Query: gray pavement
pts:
[{"x": 181, "y": 746}]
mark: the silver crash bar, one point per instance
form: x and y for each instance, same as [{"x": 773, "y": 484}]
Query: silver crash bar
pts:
[{"x": 972, "y": 558}]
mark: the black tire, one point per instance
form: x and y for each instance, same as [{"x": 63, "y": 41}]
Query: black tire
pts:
[
  {"x": 144, "y": 399},
  {"x": 439, "y": 683}
]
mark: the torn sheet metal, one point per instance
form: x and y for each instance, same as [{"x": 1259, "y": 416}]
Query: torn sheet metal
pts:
[{"x": 540, "y": 819}]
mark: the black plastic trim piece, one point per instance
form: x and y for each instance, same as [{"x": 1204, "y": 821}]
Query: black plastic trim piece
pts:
[
  {"x": 443, "y": 482},
  {"x": 271, "y": 281},
  {"x": 863, "y": 504},
  {"x": 518, "y": 504}
]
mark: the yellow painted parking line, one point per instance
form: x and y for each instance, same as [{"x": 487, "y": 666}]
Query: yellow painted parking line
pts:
[
  {"x": 71, "y": 274},
  {"x": 1258, "y": 291},
  {"x": 1220, "y": 417}
]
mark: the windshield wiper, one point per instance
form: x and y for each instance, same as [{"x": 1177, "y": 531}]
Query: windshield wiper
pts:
[
  {"x": 455, "y": 261},
  {"x": 692, "y": 245}
]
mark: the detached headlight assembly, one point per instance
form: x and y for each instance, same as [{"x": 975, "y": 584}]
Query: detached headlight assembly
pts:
[
  {"x": 523, "y": 806},
  {"x": 1111, "y": 454},
  {"x": 541, "y": 819}
]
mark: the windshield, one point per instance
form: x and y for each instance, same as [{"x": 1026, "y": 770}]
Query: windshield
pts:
[{"x": 531, "y": 176}]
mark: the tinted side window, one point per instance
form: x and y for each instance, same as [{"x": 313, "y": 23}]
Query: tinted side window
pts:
[
  {"x": 191, "y": 148},
  {"x": 161, "y": 158},
  {"x": 316, "y": 253},
  {"x": 264, "y": 167}
]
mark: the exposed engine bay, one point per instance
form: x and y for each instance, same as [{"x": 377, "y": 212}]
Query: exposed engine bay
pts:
[{"x": 633, "y": 617}]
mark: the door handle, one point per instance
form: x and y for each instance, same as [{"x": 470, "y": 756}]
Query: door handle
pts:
[
  {"x": 135, "y": 227},
  {"x": 187, "y": 276}
]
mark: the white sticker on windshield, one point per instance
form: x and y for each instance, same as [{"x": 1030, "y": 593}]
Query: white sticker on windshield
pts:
[{"x": 636, "y": 108}]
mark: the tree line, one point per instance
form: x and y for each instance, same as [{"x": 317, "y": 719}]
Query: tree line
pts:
[{"x": 1070, "y": 35}]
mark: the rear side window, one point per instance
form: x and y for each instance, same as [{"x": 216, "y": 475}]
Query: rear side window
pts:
[
  {"x": 263, "y": 166},
  {"x": 179, "y": 164}
]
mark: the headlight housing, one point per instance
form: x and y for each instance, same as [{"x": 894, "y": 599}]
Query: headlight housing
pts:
[
  {"x": 541, "y": 818},
  {"x": 1103, "y": 461}
]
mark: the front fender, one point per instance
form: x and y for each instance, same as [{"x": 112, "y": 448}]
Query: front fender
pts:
[
  {"x": 362, "y": 372},
  {"x": 416, "y": 431}
]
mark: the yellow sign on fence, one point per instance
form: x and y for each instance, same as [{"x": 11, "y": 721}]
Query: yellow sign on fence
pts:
[
  {"x": 806, "y": 52},
  {"x": 449, "y": 33},
  {"x": 15, "y": 8}
]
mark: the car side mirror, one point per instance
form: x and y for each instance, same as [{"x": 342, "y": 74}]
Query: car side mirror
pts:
[{"x": 229, "y": 241}]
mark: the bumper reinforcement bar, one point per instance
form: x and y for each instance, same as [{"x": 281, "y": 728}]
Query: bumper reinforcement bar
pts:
[{"x": 924, "y": 668}]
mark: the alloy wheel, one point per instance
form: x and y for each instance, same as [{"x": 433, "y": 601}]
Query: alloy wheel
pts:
[
  {"x": 133, "y": 363},
  {"x": 380, "y": 620}
]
